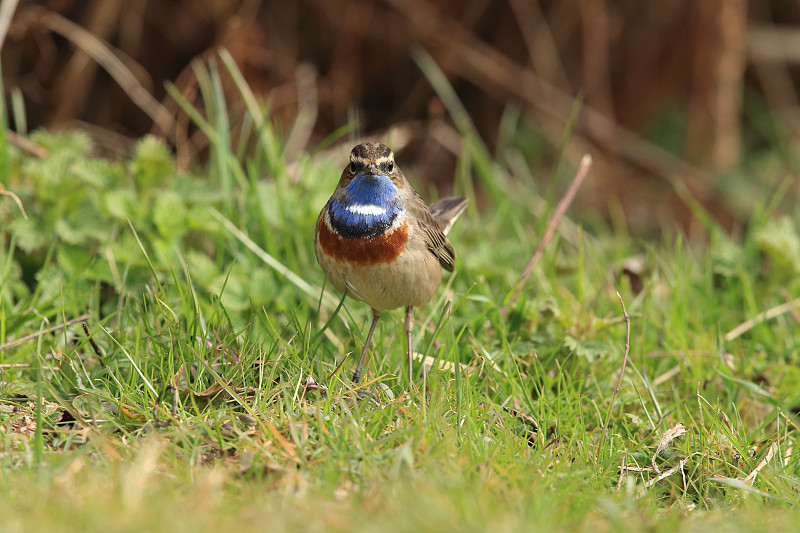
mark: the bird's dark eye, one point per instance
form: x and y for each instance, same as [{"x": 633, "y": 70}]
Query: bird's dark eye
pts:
[
  {"x": 353, "y": 168},
  {"x": 389, "y": 166}
]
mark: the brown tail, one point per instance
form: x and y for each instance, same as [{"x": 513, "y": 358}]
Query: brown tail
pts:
[{"x": 446, "y": 210}]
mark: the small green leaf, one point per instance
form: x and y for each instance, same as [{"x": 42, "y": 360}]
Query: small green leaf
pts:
[
  {"x": 73, "y": 142},
  {"x": 98, "y": 173},
  {"x": 81, "y": 227},
  {"x": 120, "y": 204},
  {"x": 152, "y": 163},
  {"x": 169, "y": 215},
  {"x": 202, "y": 268},
  {"x": 589, "y": 350},
  {"x": 30, "y": 234},
  {"x": 71, "y": 379},
  {"x": 73, "y": 259},
  {"x": 779, "y": 241}
]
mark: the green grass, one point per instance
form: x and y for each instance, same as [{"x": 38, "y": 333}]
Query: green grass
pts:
[{"x": 207, "y": 285}]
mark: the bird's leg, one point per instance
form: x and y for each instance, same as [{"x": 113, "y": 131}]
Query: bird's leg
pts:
[
  {"x": 357, "y": 373},
  {"x": 409, "y": 324}
]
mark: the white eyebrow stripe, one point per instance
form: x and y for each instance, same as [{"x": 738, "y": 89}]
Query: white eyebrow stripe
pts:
[
  {"x": 366, "y": 209},
  {"x": 377, "y": 161}
]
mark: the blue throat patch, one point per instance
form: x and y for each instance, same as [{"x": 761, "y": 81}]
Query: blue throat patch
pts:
[{"x": 369, "y": 207}]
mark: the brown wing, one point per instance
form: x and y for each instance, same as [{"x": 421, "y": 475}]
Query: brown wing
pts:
[{"x": 437, "y": 242}]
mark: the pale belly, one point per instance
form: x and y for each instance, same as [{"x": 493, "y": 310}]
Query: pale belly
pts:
[{"x": 409, "y": 279}]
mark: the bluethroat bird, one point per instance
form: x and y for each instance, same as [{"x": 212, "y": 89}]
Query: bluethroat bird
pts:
[{"x": 378, "y": 241}]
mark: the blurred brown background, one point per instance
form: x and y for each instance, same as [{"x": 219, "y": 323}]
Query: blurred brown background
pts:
[{"x": 694, "y": 93}]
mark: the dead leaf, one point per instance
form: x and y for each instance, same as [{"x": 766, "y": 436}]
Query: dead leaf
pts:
[
  {"x": 671, "y": 434},
  {"x": 751, "y": 477}
]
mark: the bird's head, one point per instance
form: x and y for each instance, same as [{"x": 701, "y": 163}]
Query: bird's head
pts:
[{"x": 368, "y": 197}]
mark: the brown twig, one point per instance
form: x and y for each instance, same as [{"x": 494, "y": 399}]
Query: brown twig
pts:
[
  {"x": 157, "y": 422},
  {"x": 793, "y": 309},
  {"x": 623, "y": 469},
  {"x": 561, "y": 209},
  {"x": 26, "y": 145},
  {"x": 6, "y": 192},
  {"x": 335, "y": 370},
  {"x": 26, "y": 338},
  {"x": 769, "y": 314},
  {"x": 93, "y": 344},
  {"x": 621, "y": 375}
]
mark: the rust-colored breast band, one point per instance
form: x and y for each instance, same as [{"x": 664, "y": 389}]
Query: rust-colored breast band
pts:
[{"x": 362, "y": 251}]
